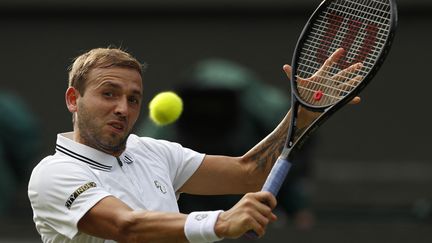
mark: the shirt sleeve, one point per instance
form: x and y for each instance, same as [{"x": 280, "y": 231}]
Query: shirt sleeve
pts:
[
  {"x": 61, "y": 193},
  {"x": 181, "y": 162},
  {"x": 188, "y": 163}
]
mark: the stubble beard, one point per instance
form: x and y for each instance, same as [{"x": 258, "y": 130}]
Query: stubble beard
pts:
[{"x": 93, "y": 136}]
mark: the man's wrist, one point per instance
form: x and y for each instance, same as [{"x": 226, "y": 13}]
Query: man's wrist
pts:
[
  {"x": 200, "y": 226},
  {"x": 220, "y": 226}
]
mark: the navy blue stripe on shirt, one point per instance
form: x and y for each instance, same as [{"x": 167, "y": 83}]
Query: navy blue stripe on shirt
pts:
[{"x": 92, "y": 163}]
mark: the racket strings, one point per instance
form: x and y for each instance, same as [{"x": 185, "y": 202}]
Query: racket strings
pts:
[
  {"x": 383, "y": 34},
  {"x": 377, "y": 12},
  {"x": 329, "y": 82},
  {"x": 362, "y": 28},
  {"x": 333, "y": 87},
  {"x": 328, "y": 95}
]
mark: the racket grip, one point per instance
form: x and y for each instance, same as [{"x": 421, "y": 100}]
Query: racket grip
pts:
[
  {"x": 273, "y": 183},
  {"x": 277, "y": 176}
]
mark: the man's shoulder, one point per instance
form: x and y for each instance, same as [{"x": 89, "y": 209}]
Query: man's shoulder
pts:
[
  {"x": 149, "y": 142},
  {"x": 56, "y": 174},
  {"x": 57, "y": 160},
  {"x": 147, "y": 147},
  {"x": 56, "y": 166}
]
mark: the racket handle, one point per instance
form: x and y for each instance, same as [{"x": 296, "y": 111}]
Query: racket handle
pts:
[
  {"x": 273, "y": 183},
  {"x": 277, "y": 176}
]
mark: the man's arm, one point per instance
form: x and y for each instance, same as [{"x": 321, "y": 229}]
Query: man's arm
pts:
[
  {"x": 238, "y": 175},
  {"x": 110, "y": 218}
]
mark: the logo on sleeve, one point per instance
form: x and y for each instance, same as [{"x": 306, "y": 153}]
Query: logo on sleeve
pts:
[{"x": 78, "y": 192}]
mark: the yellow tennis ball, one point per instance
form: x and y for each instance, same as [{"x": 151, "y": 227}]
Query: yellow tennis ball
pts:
[{"x": 165, "y": 108}]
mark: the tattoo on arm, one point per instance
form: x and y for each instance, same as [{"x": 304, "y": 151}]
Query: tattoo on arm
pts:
[{"x": 268, "y": 150}]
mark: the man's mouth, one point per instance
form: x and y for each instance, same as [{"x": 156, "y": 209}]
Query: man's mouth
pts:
[{"x": 119, "y": 126}]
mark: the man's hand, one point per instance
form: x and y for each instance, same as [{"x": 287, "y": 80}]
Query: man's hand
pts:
[
  {"x": 322, "y": 76},
  {"x": 252, "y": 212},
  {"x": 343, "y": 80}
]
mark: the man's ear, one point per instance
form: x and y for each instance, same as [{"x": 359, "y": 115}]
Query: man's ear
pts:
[{"x": 71, "y": 97}]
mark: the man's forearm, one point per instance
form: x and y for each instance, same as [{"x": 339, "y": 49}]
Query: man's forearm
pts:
[
  {"x": 152, "y": 226},
  {"x": 111, "y": 218},
  {"x": 263, "y": 155}
]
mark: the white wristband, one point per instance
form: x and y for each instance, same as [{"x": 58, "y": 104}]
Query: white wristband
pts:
[{"x": 199, "y": 226}]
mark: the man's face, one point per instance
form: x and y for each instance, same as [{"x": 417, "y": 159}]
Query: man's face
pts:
[{"x": 109, "y": 108}]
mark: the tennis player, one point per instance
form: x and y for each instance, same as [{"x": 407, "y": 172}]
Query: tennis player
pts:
[{"x": 104, "y": 183}]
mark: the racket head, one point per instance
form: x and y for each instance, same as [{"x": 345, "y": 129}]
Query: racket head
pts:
[{"x": 363, "y": 28}]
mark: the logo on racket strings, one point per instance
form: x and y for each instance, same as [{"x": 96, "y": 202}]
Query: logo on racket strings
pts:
[{"x": 349, "y": 29}]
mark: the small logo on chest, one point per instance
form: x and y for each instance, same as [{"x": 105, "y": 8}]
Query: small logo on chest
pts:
[
  {"x": 160, "y": 186},
  {"x": 128, "y": 158}
]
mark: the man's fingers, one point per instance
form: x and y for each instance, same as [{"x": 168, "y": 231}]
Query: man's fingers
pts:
[
  {"x": 288, "y": 70},
  {"x": 347, "y": 73},
  {"x": 267, "y": 198},
  {"x": 261, "y": 202},
  {"x": 273, "y": 217},
  {"x": 336, "y": 55},
  {"x": 258, "y": 229},
  {"x": 355, "y": 100},
  {"x": 252, "y": 213},
  {"x": 325, "y": 68},
  {"x": 263, "y": 220},
  {"x": 347, "y": 87},
  {"x": 259, "y": 224},
  {"x": 342, "y": 82}
]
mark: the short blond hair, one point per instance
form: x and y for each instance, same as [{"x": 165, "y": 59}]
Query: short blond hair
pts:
[{"x": 99, "y": 58}]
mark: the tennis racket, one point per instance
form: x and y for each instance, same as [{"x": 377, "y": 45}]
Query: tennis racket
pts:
[{"x": 340, "y": 49}]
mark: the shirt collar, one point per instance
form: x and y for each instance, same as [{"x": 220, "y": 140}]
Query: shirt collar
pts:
[{"x": 94, "y": 158}]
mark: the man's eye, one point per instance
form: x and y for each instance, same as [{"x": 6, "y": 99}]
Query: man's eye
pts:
[
  {"x": 108, "y": 94},
  {"x": 133, "y": 100}
]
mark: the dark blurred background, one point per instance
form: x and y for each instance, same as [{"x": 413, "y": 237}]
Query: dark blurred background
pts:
[{"x": 374, "y": 188}]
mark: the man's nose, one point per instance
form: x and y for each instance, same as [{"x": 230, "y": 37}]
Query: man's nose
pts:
[{"x": 122, "y": 107}]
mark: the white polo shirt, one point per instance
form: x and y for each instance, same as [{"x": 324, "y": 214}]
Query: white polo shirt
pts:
[{"x": 64, "y": 186}]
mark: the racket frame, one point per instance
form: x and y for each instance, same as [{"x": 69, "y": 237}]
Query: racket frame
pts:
[{"x": 327, "y": 110}]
